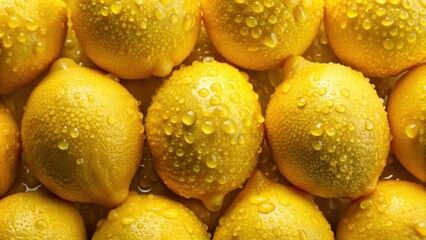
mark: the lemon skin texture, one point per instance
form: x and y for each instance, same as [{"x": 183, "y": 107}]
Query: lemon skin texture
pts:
[
  {"x": 30, "y": 41},
  {"x": 137, "y": 39},
  {"x": 378, "y": 38},
  {"x": 36, "y": 215},
  {"x": 396, "y": 210},
  {"x": 261, "y": 35},
  {"x": 327, "y": 129},
  {"x": 10, "y": 149},
  {"x": 82, "y": 135},
  {"x": 151, "y": 217},
  {"x": 269, "y": 210},
  {"x": 407, "y": 120},
  {"x": 205, "y": 130}
]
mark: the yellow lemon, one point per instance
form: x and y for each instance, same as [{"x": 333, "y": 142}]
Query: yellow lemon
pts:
[
  {"x": 10, "y": 149},
  {"x": 407, "y": 120},
  {"x": 396, "y": 210},
  {"x": 151, "y": 217},
  {"x": 261, "y": 35},
  {"x": 137, "y": 39},
  {"x": 32, "y": 35},
  {"x": 327, "y": 129},
  {"x": 205, "y": 131},
  {"x": 82, "y": 135},
  {"x": 36, "y": 215},
  {"x": 269, "y": 210},
  {"x": 379, "y": 38}
]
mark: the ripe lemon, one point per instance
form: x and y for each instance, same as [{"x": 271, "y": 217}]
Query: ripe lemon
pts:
[
  {"x": 150, "y": 217},
  {"x": 10, "y": 149},
  {"x": 82, "y": 135},
  {"x": 32, "y": 35},
  {"x": 327, "y": 129},
  {"x": 261, "y": 35},
  {"x": 407, "y": 120},
  {"x": 36, "y": 215},
  {"x": 137, "y": 39},
  {"x": 205, "y": 131},
  {"x": 268, "y": 210},
  {"x": 378, "y": 38},
  {"x": 396, "y": 210}
]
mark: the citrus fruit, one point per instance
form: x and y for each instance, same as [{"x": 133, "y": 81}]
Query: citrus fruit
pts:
[
  {"x": 30, "y": 41},
  {"x": 82, "y": 135},
  {"x": 151, "y": 217},
  {"x": 137, "y": 39},
  {"x": 396, "y": 210},
  {"x": 36, "y": 215},
  {"x": 205, "y": 130},
  {"x": 407, "y": 120},
  {"x": 269, "y": 210},
  {"x": 379, "y": 38},
  {"x": 261, "y": 35},
  {"x": 327, "y": 129},
  {"x": 10, "y": 149}
]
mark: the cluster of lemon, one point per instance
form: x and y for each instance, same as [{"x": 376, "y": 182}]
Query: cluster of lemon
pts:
[{"x": 245, "y": 139}]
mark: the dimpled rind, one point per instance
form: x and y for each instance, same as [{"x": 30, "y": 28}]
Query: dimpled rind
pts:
[
  {"x": 260, "y": 35},
  {"x": 396, "y": 210},
  {"x": 38, "y": 215},
  {"x": 29, "y": 40},
  {"x": 137, "y": 39},
  {"x": 269, "y": 210},
  {"x": 82, "y": 135},
  {"x": 148, "y": 216},
  {"x": 379, "y": 38},
  {"x": 205, "y": 130},
  {"x": 327, "y": 129}
]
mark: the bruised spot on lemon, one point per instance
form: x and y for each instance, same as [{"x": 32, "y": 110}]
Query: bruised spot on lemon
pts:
[
  {"x": 151, "y": 217},
  {"x": 327, "y": 129},
  {"x": 407, "y": 120},
  {"x": 30, "y": 41},
  {"x": 269, "y": 210},
  {"x": 137, "y": 39},
  {"x": 261, "y": 35},
  {"x": 378, "y": 38},
  {"x": 205, "y": 130},
  {"x": 82, "y": 135}
]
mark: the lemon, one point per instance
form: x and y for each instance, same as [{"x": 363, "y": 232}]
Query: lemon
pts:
[
  {"x": 10, "y": 149},
  {"x": 205, "y": 130},
  {"x": 268, "y": 210},
  {"x": 378, "y": 38},
  {"x": 396, "y": 210},
  {"x": 261, "y": 35},
  {"x": 137, "y": 39},
  {"x": 150, "y": 217},
  {"x": 327, "y": 129},
  {"x": 320, "y": 50},
  {"x": 30, "y": 41},
  {"x": 82, "y": 135},
  {"x": 36, "y": 215},
  {"x": 407, "y": 120}
]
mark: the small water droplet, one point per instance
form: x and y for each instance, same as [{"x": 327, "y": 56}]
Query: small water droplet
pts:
[
  {"x": 212, "y": 161},
  {"x": 63, "y": 144},
  {"x": 228, "y": 126},
  {"x": 412, "y": 130},
  {"x": 266, "y": 207},
  {"x": 79, "y": 161},
  {"x": 207, "y": 127},
  {"x": 189, "y": 118},
  {"x": 317, "y": 129},
  {"x": 117, "y": 7}
]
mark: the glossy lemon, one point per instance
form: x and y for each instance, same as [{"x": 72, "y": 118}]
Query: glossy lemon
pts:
[
  {"x": 269, "y": 210},
  {"x": 10, "y": 149},
  {"x": 205, "y": 130},
  {"x": 379, "y": 38},
  {"x": 396, "y": 210},
  {"x": 137, "y": 39},
  {"x": 407, "y": 120},
  {"x": 151, "y": 217},
  {"x": 261, "y": 35},
  {"x": 327, "y": 129},
  {"x": 32, "y": 35},
  {"x": 82, "y": 135},
  {"x": 36, "y": 215}
]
